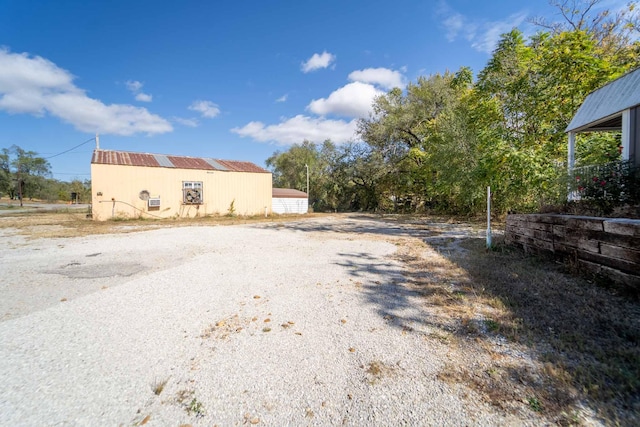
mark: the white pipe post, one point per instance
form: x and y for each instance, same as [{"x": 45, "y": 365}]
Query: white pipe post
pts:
[
  {"x": 307, "y": 166},
  {"x": 488, "y": 217}
]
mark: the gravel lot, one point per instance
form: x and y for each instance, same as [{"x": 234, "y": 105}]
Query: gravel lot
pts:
[{"x": 288, "y": 324}]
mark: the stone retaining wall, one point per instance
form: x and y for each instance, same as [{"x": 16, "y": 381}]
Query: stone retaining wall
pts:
[{"x": 607, "y": 247}]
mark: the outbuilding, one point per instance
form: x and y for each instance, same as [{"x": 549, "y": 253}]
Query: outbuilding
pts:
[
  {"x": 289, "y": 201},
  {"x": 129, "y": 185}
]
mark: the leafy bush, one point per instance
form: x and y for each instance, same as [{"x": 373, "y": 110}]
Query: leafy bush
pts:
[{"x": 607, "y": 186}]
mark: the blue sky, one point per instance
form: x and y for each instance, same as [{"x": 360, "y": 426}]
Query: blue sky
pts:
[{"x": 232, "y": 80}]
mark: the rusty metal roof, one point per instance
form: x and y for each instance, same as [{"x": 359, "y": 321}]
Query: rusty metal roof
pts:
[
  {"x": 288, "y": 193},
  {"x": 125, "y": 158}
]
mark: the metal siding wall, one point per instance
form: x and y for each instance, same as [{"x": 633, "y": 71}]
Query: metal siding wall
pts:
[
  {"x": 290, "y": 205},
  {"x": 251, "y": 191}
]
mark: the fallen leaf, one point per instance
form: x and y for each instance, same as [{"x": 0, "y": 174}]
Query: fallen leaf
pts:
[
  {"x": 145, "y": 420},
  {"x": 343, "y": 320},
  {"x": 256, "y": 297},
  {"x": 267, "y": 320},
  {"x": 266, "y": 329},
  {"x": 63, "y": 299},
  {"x": 351, "y": 349}
]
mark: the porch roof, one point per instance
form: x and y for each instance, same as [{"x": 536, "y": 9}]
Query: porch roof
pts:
[{"x": 602, "y": 109}]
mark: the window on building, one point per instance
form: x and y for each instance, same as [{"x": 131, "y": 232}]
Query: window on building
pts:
[{"x": 192, "y": 192}]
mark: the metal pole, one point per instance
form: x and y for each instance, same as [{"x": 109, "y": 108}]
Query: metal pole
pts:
[
  {"x": 488, "y": 217},
  {"x": 307, "y": 166},
  {"x": 19, "y": 183}
]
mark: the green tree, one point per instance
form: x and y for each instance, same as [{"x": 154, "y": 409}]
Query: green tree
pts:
[{"x": 26, "y": 171}]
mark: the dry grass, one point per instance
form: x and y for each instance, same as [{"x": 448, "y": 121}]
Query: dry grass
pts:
[
  {"x": 528, "y": 336},
  {"x": 73, "y": 223}
]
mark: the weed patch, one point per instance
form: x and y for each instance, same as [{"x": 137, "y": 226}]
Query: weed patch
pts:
[{"x": 566, "y": 340}]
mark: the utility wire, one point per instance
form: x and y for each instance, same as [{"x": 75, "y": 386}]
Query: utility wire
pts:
[{"x": 70, "y": 149}]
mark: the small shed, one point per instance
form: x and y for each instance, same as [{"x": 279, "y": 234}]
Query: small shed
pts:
[
  {"x": 289, "y": 201},
  {"x": 613, "y": 107}
]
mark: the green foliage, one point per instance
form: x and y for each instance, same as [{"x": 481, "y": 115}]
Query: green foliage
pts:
[
  {"x": 607, "y": 186},
  {"x": 22, "y": 172},
  {"x": 440, "y": 142}
]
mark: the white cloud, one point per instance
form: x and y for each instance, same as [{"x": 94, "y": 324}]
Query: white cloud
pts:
[
  {"x": 135, "y": 87},
  {"x": 35, "y": 85},
  {"x": 283, "y": 98},
  {"x": 353, "y": 100},
  {"x": 298, "y": 128},
  {"x": 192, "y": 123},
  {"x": 143, "y": 97},
  {"x": 453, "y": 24},
  {"x": 384, "y": 77},
  {"x": 483, "y": 35},
  {"x": 317, "y": 61},
  {"x": 207, "y": 108}
]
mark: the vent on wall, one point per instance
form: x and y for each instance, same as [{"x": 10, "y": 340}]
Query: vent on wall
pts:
[
  {"x": 192, "y": 196},
  {"x": 154, "y": 202}
]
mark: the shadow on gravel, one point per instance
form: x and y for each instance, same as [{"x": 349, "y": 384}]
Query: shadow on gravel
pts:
[{"x": 530, "y": 337}]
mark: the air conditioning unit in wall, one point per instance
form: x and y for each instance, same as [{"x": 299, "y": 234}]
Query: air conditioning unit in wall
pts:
[{"x": 154, "y": 202}]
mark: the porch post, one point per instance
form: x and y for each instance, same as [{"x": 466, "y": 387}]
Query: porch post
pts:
[
  {"x": 571, "y": 151},
  {"x": 626, "y": 134},
  {"x": 571, "y": 160}
]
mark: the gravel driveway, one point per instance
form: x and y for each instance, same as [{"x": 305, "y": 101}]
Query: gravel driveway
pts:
[{"x": 289, "y": 324}]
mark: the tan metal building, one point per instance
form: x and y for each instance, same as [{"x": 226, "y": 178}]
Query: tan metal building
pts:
[{"x": 130, "y": 185}]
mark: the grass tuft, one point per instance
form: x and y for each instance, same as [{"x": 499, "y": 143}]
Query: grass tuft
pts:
[{"x": 158, "y": 386}]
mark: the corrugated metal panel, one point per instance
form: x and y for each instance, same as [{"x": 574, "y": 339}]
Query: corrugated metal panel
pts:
[
  {"x": 163, "y": 161},
  {"x": 238, "y": 166},
  {"x": 215, "y": 164},
  {"x": 190, "y": 163},
  {"x": 125, "y": 158},
  {"x": 610, "y": 99},
  {"x": 289, "y": 206},
  {"x": 288, "y": 193}
]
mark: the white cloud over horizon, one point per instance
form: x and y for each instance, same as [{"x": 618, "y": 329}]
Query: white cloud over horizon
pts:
[
  {"x": 297, "y": 129},
  {"x": 207, "y": 109},
  {"x": 283, "y": 98},
  {"x": 482, "y": 35},
  {"x": 318, "y": 61},
  {"x": 352, "y": 100},
  {"x": 384, "y": 77},
  {"x": 34, "y": 85}
]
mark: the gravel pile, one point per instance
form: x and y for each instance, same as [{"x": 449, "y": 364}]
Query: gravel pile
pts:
[{"x": 238, "y": 325}]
